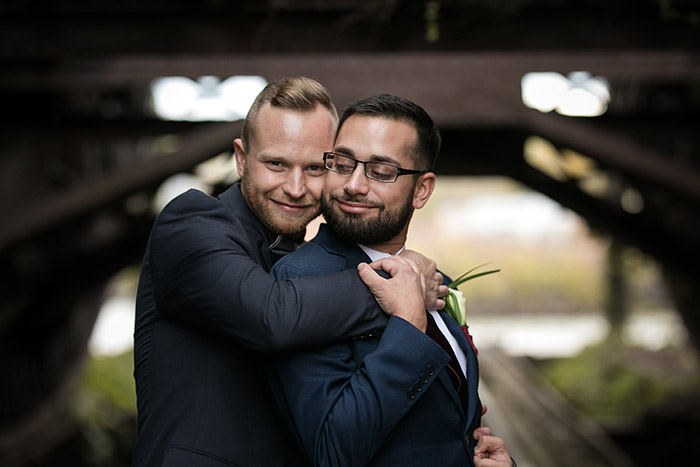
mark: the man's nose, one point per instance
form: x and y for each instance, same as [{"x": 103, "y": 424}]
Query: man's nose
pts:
[
  {"x": 295, "y": 186},
  {"x": 357, "y": 182}
]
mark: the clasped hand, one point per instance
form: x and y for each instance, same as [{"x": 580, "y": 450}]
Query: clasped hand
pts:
[{"x": 414, "y": 287}]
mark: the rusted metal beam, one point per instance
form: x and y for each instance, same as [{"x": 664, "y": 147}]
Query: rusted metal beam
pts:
[
  {"x": 197, "y": 146},
  {"x": 456, "y": 88},
  {"x": 618, "y": 151}
]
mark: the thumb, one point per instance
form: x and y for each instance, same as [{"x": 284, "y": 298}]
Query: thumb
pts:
[{"x": 369, "y": 276}]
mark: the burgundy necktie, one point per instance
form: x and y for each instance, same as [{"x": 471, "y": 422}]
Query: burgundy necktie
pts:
[{"x": 453, "y": 368}]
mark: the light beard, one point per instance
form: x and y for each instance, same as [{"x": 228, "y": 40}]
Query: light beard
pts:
[
  {"x": 354, "y": 228},
  {"x": 280, "y": 223}
]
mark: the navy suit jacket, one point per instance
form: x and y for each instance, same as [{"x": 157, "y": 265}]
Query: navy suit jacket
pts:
[
  {"x": 379, "y": 401},
  {"x": 206, "y": 306}
]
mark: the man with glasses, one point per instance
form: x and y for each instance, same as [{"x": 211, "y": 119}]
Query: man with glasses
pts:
[
  {"x": 206, "y": 305},
  {"x": 408, "y": 397}
]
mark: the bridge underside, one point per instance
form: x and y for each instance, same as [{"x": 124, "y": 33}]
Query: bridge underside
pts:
[{"x": 82, "y": 151}]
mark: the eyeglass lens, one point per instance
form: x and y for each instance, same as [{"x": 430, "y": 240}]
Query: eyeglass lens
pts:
[{"x": 374, "y": 170}]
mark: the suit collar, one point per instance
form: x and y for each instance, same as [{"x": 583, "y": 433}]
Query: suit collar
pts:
[{"x": 334, "y": 245}]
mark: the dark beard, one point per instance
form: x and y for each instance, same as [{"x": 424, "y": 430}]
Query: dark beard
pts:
[{"x": 354, "y": 229}]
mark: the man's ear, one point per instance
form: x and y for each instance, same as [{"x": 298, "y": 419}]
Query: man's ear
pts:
[
  {"x": 424, "y": 188},
  {"x": 240, "y": 156}
]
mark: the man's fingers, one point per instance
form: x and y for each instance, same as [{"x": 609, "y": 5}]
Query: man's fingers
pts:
[
  {"x": 439, "y": 278},
  {"x": 401, "y": 295},
  {"x": 490, "y": 451},
  {"x": 427, "y": 265},
  {"x": 415, "y": 266},
  {"x": 390, "y": 264},
  {"x": 369, "y": 276},
  {"x": 442, "y": 292}
]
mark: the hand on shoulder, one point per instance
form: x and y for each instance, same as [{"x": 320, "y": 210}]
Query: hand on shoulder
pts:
[{"x": 402, "y": 294}]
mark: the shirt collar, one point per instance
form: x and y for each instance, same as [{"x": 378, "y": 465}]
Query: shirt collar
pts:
[{"x": 374, "y": 255}]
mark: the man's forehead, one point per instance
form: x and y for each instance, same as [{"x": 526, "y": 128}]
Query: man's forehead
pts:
[
  {"x": 284, "y": 122},
  {"x": 383, "y": 139},
  {"x": 375, "y": 123}
]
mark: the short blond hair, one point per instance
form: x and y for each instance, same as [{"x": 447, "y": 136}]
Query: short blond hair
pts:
[{"x": 295, "y": 93}]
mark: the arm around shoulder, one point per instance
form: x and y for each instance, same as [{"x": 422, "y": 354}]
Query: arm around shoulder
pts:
[{"x": 206, "y": 272}]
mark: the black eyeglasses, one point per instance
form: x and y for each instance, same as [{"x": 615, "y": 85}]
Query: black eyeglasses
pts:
[{"x": 379, "y": 171}]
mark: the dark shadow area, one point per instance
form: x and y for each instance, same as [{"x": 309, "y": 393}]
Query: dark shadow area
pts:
[{"x": 84, "y": 155}]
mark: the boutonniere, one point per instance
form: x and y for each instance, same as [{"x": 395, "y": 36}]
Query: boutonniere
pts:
[{"x": 456, "y": 304}]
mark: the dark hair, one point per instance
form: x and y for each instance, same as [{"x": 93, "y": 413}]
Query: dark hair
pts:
[
  {"x": 397, "y": 108},
  {"x": 294, "y": 93}
]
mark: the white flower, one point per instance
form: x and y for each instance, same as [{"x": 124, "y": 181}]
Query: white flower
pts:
[{"x": 456, "y": 306}]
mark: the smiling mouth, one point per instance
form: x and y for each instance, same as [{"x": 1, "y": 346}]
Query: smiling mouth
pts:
[
  {"x": 354, "y": 207},
  {"x": 291, "y": 208}
]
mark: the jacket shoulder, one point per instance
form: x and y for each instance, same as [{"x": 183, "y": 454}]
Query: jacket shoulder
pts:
[{"x": 312, "y": 258}]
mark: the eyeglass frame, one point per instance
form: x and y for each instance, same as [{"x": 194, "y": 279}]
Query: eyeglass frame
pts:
[{"x": 399, "y": 170}]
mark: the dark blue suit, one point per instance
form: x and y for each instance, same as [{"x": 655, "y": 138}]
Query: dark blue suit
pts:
[
  {"x": 380, "y": 401},
  {"x": 205, "y": 304}
]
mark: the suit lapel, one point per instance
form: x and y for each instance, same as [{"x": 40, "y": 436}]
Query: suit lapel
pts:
[
  {"x": 354, "y": 257},
  {"x": 444, "y": 379},
  {"x": 352, "y": 253},
  {"x": 472, "y": 365}
]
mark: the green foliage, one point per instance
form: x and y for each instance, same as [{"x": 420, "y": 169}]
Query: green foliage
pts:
[
  {"x": 105, "y": 411},
  {"x": 612, "y": 382},
  {"x": 112, "y": 378}
]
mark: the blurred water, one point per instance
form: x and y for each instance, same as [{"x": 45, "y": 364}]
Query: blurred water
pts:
[
  {"x": 550, "y": 336},
  {"x": 541, "y": 336}
]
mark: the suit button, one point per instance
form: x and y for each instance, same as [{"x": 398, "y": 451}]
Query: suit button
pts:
[
  {"x": 424, "y": 378},
  {"x": 411, "y": 394},
  {"x": 430, "y": 370}
]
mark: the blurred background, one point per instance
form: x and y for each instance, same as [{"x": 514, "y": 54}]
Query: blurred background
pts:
[{"x": 570, "y": 161}]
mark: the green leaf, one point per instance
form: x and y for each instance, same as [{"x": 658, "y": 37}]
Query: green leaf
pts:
[
  {"x": 453, "y": 309},
  {"x": 467, "y": 277},
  {"x": 450, "y": 305}
]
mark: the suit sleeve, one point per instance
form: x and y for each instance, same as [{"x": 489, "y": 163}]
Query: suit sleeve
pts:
[
  {"x": 203, "y": 272},
  {"x": 343, "y": 411}
]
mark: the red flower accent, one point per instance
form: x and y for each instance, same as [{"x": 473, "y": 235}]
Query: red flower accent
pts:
[{"x": 469, "y": 338}]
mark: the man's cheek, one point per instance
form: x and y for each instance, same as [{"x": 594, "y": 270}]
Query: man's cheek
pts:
[{"x": 315, "y": 187}]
